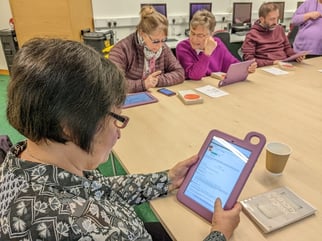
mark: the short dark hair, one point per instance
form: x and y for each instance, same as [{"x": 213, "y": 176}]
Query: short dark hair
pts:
[
  {"x": 60, "y": 85},
  {"x": 266, "y": 8}
]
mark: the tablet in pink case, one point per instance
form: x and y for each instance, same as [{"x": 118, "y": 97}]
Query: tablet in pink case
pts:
[
  {"x": 236, "y": 72},
  {"x": 224, "y": 165},
  {"x": 295, "y": 56}
]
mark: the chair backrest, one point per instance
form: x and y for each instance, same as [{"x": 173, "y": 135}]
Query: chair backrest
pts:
[
  {"x": 224, "y": 36},
  {"x": 5, "y": 145},
  {"x": 291, "y": 35}
]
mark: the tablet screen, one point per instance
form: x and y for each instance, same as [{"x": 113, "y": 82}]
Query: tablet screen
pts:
[
  {"x": 139, "y": 98},
  {"x": 217, "y": 173}
]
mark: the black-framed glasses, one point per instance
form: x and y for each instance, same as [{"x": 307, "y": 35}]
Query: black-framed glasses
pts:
[
  {"x": 120, "y": 120},
  {"x": 157, "y": 41}
]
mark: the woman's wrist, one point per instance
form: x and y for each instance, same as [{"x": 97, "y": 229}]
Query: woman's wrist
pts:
[
  {"x": 170, "y": 184},
  {"x": 215, "y": 236}
]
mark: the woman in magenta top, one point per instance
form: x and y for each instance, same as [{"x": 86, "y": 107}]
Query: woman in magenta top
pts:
[{"x": 201, "y": 54}]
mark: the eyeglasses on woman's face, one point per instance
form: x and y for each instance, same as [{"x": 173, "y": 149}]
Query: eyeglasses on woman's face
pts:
[
  {"x": 120, "y": 121},
  {"x": 193, "y": 34},
  {"x": 157, "y": 41}
]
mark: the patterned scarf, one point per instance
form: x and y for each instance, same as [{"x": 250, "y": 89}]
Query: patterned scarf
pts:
[{"x": 149, "y": 58}]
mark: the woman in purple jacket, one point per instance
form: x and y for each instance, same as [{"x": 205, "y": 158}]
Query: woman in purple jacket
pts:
[
  {"x": 201, "y": 54},
  {"x": 144, "y": 57},
  {"x": 309, "y": 19}
]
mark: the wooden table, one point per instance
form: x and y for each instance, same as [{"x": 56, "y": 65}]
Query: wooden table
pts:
[{"x": 284, "y": 108}]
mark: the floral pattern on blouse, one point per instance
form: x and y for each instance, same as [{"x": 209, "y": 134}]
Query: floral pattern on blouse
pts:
[{"x": 44, "y": 202}]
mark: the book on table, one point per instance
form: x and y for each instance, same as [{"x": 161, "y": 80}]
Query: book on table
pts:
[{"x": 190, "y": 97}]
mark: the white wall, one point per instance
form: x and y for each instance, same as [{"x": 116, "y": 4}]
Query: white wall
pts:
[
  {"x": 124, "y": 11},
  {"x": 112, "y": 8},
  {"x": 5, "y": 15}
]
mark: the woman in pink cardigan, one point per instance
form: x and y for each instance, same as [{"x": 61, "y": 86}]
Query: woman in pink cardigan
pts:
[{"x": 201, "y": 54}]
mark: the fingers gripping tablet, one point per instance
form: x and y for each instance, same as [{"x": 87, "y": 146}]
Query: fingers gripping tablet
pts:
[{"x": 224, "y": 164}]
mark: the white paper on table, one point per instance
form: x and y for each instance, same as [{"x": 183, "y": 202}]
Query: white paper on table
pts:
[
  {"x": 211, "y": 91},
  {"x": 275, "y": 71}
]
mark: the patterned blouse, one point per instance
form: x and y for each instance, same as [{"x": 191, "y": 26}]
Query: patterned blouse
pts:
[{"x": 44, "y": 202}]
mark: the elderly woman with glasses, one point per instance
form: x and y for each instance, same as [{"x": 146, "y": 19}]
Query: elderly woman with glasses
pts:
[
  {"x": 201, "y": 54},
  {"x": 144, "y": 57},
  {"x": 66, "y": 99}
]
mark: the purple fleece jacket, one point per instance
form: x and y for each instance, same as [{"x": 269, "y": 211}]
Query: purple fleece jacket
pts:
[
  {"x": 128, "y": 54},
  {"x": 266, "y": 46},
  {"x": 309, "y": 36},
  {"x": 199, "y": 65}
]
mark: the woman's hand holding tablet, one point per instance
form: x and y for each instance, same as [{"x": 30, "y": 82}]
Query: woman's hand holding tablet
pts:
[{"x": 224, "y": 164}]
